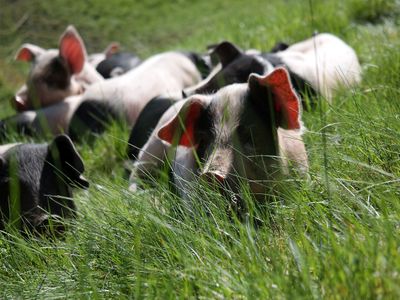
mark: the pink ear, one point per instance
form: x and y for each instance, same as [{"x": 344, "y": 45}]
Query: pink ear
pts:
[
  {"x": 24, "y": 55},
  {"x": 181, "y": 128},
  {"x": 286, "y": 101},
  {"x": 28, "y": 52},
  {"x": 72, "y": 49},
  {"x": 111, "y": 49}
]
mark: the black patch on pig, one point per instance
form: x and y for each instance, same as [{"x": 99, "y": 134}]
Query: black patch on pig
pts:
[
  {"x": 202, "y": 66},
  {"x": 123, "y": 60},
  {"x": 145, "y": 124},
  {"x": 204, "y": 133},
  {"x": 44, "y": 175},
  {"x": 57, "y": 74},
  {"x": 237, "y": 71},
  {"x": 257, "y": 125},
  {"x": 225, "y": 52},
  {"x": 279, "y": 46},
  {"x": 91, "y": 117}
]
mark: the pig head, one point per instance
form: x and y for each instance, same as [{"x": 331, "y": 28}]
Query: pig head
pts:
[
  {"x": 36, "y": 182},
  {"x": 55, "y": 73},
  {"x": 244, "y": 132}
]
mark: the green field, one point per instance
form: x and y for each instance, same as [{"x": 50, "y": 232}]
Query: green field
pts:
[{"x": 333, "y": 236}]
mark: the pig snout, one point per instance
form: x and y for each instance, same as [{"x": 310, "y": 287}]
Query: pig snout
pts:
[{"x": 218, "y": 166}]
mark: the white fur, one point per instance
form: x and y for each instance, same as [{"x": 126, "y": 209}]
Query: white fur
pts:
[{"x": 325, "y": 61}]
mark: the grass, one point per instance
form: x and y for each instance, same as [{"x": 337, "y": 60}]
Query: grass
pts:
[{"x": 336, "y": 236}]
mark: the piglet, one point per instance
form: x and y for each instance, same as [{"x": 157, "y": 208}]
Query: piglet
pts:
[
  {"x": 36, "y": 182},
  {"x": 55, "y": 73},
  {"x": 251, "y": 132}
]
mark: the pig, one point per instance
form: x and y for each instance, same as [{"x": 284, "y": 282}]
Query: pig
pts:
[
  {"x": 111, "y": 62},
  {"x": 36, "y": 182},
  {"x": 250, "y": 131},
  {"x": 55, "y": 73},
  {"x": 318, "y": 65},
  {"x": 120, "y": 98}
]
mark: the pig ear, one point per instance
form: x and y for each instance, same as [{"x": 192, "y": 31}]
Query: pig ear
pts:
[
  {"x": 285, "y": 100},
  {"x": 72, "y": 49},
  {"x": 28, "y": 52},
  {"x": 111, "y": 49},
  {"x": 180, "y": 129},
  {"x": 226, "y": 53},
  {"x": 63, "y": 149}
]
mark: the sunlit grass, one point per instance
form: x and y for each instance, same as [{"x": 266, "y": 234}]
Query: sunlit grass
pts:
[{"x": 333, "y": 236}]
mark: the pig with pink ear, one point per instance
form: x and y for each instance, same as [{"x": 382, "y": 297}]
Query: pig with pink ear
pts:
[
  {"x": 250, "y": 131},
  {"x": 55, "y": 73}
]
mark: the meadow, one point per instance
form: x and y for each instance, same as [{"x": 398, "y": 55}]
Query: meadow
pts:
[{"x": 334, "y": 236}]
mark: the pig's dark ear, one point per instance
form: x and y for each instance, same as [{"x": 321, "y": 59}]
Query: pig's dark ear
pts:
[
  {"x": 28, "y": 52},
  {"x": 111, "y": 49},
  {"x": 226, "y": 52},
  {"x": 72, "y": 49},
  {"x": 285, "y": 100},
  {"x": 63, "y": 150},
  {"x": 180, "y": 130}
]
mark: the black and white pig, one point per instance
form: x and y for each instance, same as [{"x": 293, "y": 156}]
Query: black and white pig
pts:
[
  {"x": 250, "y": 131},
  {"x": 320, "y": 64},
  {"x": 112, "y": 62},
  {"x": 36, "y": 182},
  {"x": 122, "y": 97},
  {"x": 55, "y": 73}
]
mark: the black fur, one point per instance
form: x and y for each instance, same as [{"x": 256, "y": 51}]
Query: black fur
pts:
[
  {"x": 235, "y": 71},
  {"x": 91, "y": 117},
  {"x": 279, "y": 46},
  {"x": 200, "y": 63},
  {"x": 145, "y": 124},
  {"x": 43, "y": 176},
  {"x": 125, "y": 61},
  {"x": 57, "y": 75}
]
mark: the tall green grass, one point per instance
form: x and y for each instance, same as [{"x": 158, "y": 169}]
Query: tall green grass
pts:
[{"x": 334, "y": 236}]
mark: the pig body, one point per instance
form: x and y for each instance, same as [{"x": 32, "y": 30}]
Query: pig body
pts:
[
  {"x": 36, "y": 182},
  {"x": 245, "y": 131},
  {"x": 121, "y": 97}
]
